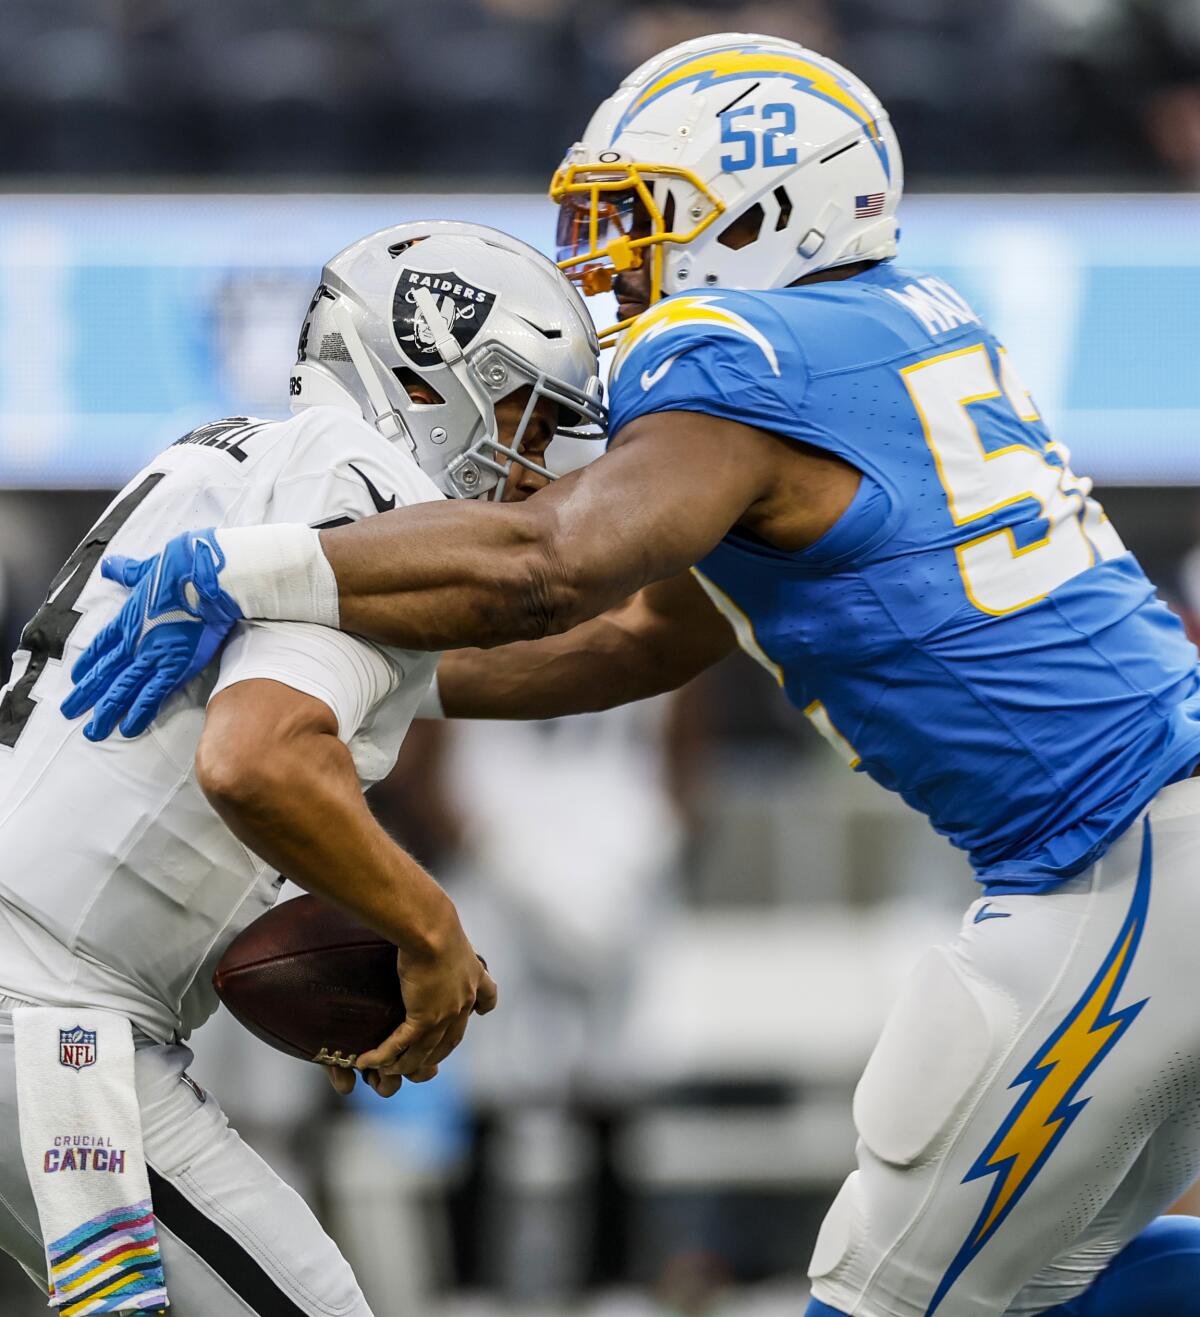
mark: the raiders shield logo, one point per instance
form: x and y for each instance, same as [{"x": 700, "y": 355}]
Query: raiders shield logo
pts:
[
  {"x": 464, "y": 307},
  {"x": 77, "y": 1047}
]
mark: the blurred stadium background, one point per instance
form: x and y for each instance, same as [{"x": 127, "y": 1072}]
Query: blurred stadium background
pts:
[{"x": 696, "y": 915}]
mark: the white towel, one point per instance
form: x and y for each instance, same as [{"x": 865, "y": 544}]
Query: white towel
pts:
[{"x": 81, "y": 1138}]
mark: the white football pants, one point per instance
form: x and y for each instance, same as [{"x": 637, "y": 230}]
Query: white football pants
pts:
[
  {"x": 235, "y": 1239},
  {"x": 1034, "y": 1098}
]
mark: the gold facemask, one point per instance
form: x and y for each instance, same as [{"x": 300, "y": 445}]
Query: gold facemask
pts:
[{"x": 601, "y": 209}]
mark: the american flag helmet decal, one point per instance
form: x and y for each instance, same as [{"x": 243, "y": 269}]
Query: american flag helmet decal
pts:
[{"x": 865, "y": 207}]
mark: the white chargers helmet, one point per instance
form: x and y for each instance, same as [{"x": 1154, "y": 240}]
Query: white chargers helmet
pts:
[
  {"x": 738, "y": 160},
  {"x": 459, "y": 313}
]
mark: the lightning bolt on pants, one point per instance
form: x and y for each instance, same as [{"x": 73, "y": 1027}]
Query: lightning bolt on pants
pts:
[{"x": 1033, "y": 1102}]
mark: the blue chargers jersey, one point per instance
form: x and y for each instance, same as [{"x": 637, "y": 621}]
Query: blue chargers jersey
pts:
[{"x": 971, "y": 632}]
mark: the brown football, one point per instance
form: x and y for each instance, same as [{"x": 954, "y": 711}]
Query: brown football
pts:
[{"x": 311, "y": 982}]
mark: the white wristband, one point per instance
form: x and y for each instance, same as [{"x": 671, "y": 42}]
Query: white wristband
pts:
[
  {"x": 431, "y": 702},
  {"x": 280, "y": 573}
]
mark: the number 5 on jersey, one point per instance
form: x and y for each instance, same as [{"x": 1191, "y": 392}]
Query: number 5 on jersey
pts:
[{"x": 998, "y": 574}]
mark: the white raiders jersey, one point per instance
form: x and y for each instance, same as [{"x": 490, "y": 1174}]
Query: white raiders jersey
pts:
[{"x": 120, "y": 887}]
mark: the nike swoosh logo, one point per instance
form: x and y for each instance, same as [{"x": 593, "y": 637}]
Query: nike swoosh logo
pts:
[
  {"x": 381, "y": 504},
  {"x": 651, "y": 377},
  {"x": 985, "y": 911}
]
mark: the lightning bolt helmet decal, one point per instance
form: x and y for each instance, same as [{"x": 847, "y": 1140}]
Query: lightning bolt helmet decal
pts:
[{"x": 806, "y": 73}]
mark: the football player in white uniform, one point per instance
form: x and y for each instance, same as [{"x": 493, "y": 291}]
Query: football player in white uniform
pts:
[
  {"x": 127, "y": 867},
  {"x": 871, "y": 506}
]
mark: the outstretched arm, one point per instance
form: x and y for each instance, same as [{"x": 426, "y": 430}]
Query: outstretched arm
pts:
[
  {"x": 657, "y": 641},
  {"x": 272, "y": 765},
  {"x": 454, "y": 575},
  {"x": 443, "y": 576}
]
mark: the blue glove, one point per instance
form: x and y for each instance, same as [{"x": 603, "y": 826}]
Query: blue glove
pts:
[{"x": 167, "y": 632}]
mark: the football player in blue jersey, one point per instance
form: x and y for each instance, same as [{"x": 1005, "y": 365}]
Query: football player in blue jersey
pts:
[{"x": 844, "y": 475}]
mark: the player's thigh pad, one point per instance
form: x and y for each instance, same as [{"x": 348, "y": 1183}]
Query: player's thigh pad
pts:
[
  {"x": 230, "y": 1225},
  {"x": 946, "y": 1034},
  {"x": 941, "y": 1041}
]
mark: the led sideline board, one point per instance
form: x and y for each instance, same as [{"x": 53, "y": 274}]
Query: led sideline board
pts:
[{"x": 128, "y": 320}]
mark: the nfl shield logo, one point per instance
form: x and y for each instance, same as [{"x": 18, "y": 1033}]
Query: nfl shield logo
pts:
[{"x": 77, "y": 1047}]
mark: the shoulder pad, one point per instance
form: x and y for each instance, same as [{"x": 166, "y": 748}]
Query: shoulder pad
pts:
[{"x": 690, "y": 320}]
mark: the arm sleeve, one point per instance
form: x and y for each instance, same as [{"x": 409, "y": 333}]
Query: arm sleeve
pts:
[{"x": 349, "y": 675}]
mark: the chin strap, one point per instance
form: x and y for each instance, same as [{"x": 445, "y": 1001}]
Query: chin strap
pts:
[
  {"x": 447, "y": 347},
  {"x": 388, "y": 421},
  {"x": 450, "y": 352},
  {"x": 443, "y": 340}
]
